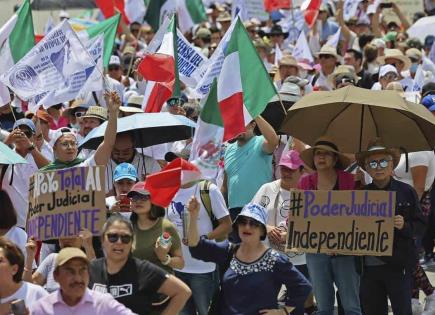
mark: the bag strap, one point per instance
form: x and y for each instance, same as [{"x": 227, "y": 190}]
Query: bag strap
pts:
[
  {"x": 204, "y": 193},
  {"x": 232, "y": 249}
]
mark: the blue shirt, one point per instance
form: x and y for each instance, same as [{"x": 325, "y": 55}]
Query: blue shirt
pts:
[
  {"x": 247, "y": 168},
  {"x": 248, "y": 288},
  {"x": 329, "y": 28}
]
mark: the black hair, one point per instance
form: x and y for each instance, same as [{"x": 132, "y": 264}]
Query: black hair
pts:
[
  {"x": 155, "y": 213},
  {"x": 262, "y": 237},
  {"x": 116, "y": 217},
  {"x": 357, "y": 54},
  {"x": 365, "y": 39},
  {"x": 133, "y": 24},
  {"x": 8, "y": 215}
]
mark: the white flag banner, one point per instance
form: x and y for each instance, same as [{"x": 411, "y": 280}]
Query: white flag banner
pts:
[
  {"x": 49, "y": 25},
  {"x": 432, "y": 53},
  {"x": 418, "y": 79},
  {"x": 214, "y": 64},
  {"x": 239, "y": 8},
  {"x": 302, "y": 50},
  {"x": 191, "y": 62},
  {"x": 334, "y": 39},
  {"x": 56, "y": 70},
  {"x": 350, "y": 8},
  {"x": 135, "y": 10},
  {"x": 278, "y": 54}
]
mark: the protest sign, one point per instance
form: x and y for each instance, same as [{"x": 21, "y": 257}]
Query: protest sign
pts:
[
  {"x": 190, "y": 61},
  {"x": 341, "y": 222},
  {"x": 62, "y": 202},
  {"x": 56, "y": 70}
]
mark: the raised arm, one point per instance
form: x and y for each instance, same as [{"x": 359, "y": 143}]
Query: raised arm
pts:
[{"x": 271, "y": 139}]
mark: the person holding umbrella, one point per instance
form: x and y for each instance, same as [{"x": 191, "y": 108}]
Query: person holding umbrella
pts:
[
  {"x": 326, "y": 270},
  {"x": 390, "y": 277}
]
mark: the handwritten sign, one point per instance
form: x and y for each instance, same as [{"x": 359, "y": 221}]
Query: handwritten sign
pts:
[
  {"x": 341, "y": 222},
  {"x": 62, "y": 202}
]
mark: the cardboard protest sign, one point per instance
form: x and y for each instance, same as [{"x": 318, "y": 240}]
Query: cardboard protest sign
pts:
[
  {"x": 62, "y": 202},
  {"x": 341, "y": 222}
]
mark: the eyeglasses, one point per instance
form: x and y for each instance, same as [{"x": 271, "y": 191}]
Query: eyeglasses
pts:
[
  {"x": 113, "y": 238},
  {"x": 68, "y": 144},
  {"x": 79, "y": 114},
  {"x": 390, "y": 76},
  {"x": 374, "y": 164},
  {"x": 137, "y": 198},
  {"x": 247, "y": 221}
]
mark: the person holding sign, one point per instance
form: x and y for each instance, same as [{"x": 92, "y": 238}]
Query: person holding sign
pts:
[
  {"x": 390, "y": 277},
  {"x": 253, "y": 273},
  {"x": 325, "y": 270}
]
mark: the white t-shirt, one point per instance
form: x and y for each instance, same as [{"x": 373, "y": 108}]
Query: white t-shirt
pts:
[
  {"x": 276, "y": 201},
  {"x": 19, "y": 190},
  {"x": 175, "y": 213},
  {"x": 28, "y": 292},
  {"x": 46, "y": 269},
  {"x": 421, "y": 158}
]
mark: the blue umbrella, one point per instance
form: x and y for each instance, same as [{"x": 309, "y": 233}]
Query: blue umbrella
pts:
[
  {"x": 8, "y": 156},
  {"x": 147, "y": 129}
]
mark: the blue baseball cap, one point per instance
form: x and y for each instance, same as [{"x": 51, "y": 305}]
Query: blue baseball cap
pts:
[
  {"x": 125, "y": 171},
  {"x": 429, "y": 102},
  {"x": 254, "y": 211},
  {"x": 25, "y": 122}
]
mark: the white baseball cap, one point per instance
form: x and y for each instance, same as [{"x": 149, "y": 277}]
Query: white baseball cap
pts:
[
  {"x": 387, "y": 69},
  {"x": 114, "y": 60}
]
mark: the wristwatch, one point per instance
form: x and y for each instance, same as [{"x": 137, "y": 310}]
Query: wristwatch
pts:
[{"x": 31, "y": 148}]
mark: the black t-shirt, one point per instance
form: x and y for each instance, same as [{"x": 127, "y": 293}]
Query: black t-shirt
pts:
[{"x": 135, "y": 285}]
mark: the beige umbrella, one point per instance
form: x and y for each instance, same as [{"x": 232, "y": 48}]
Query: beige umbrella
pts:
[{"x": 353, "y": 116}]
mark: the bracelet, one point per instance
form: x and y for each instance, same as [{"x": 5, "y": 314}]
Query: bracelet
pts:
[{"x": 167, "y": 261}]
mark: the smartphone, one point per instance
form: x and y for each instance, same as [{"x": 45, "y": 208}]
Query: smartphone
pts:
[
  {"x": 18, "y": 307},
  {"x": 386, "y": 5},
  {"x": 124, "y": 200}
]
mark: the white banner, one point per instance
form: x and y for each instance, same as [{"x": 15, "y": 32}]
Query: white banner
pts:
[
  {"x": 191, "y": 62},
  {"x": 56, "y": 70},
  {"x": 302, "y": 50}
]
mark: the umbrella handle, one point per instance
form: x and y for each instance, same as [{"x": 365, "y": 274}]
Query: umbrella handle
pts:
[{"x": 406, "y": 158}]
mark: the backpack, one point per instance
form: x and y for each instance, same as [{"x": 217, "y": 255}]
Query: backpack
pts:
[{"x": 204, "y": 193}]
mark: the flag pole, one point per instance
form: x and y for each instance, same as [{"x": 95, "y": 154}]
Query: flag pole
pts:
[{"x": 134, "y": 55}]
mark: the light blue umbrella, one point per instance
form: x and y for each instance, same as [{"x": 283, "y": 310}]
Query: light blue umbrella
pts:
[
  {"x": 147, "y": 129},
  {"x": 8, "y": 156}
]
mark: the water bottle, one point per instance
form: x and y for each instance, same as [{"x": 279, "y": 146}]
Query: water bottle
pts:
[
  {"x": 165, "y": 240},
  {"x": 185, "y": 224}
]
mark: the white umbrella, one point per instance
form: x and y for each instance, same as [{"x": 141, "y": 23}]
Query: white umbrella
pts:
[{"x": 422, "y": 28}]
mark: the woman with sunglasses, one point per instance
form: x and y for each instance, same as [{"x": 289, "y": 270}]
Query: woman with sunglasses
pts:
[
  {"x": 149, "y": 224},
  {"x": 253, "y": 273},
  {"x": 389, "y": 278},
  {"x": 131, "y": 281}
]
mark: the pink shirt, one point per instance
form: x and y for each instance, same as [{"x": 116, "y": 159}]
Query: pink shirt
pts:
[{"x": 93, "y": 302}]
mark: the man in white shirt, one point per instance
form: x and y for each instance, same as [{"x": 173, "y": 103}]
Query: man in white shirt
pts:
[
  {"x": 328, "y": 60},
  {"x": 16, "y": 180},
  {"x": 214, "y": 223}
]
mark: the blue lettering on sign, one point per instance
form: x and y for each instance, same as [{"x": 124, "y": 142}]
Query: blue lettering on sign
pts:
[{"x": 364, "y": 208}]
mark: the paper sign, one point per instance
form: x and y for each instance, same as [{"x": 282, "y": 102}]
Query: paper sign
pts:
[
  {"x": 341, "y": 222},
  {"x": 62, "y": 202}
]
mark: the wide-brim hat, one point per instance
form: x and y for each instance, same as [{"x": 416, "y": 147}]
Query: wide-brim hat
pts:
[
  {"x": 343, "y": 70},
  {"x": 224, "y": 17},
  {"x": 277, "y": 30},
  {"x": 395, "y": 54},
  {"x": 96, "y": 112},
  {"x": 377, "y": 147},
  {"x": 327, "y": 50},
  {"x": 78, "y": 103},
  {"x": 326, "y": 144}
]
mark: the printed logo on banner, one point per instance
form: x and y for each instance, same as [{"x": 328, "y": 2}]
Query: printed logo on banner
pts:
[{"x": 25, "y": 78}]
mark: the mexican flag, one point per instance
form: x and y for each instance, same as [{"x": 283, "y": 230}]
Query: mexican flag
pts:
[
  {"x": 164, "y": 185},
  {"x": 243, "y": 86},
  {"x": 110, "y": 7},
  {"x": 107, "y": 28},
  {"x": 17, "y": 37},
  {"x": 161, "y": 71},
  {"x": 190, "y": 12},
  {"x": 207, "y": 142}
]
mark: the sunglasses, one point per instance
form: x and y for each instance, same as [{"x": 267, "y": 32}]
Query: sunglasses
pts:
[
  {"x": 390, "y": 76},
  {"x": 326, "y": 56},
  {"x": 113, "y": 68},
  {"x": 247, "y": 221},
  {"x": 374, "y": 164},
  {"x": 137, "y": 198},
  {"x": 79, "y": 114},
  {"x": 113, "y": 238}
]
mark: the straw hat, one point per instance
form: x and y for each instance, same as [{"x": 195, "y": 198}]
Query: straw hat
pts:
[
  {"x": 96, "y": 112},
  {"x": 224, "y": 17},
  {"x": 288, "y": 60},
  {"x": 344, "y": 70},
  {"x": 324, "y": 143},
  {"x": 377, "y": 147},
  {"x": 327, "y": 50},
  {"x": 395, "y": 54},
  {"x": 396, "y": 86}
]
